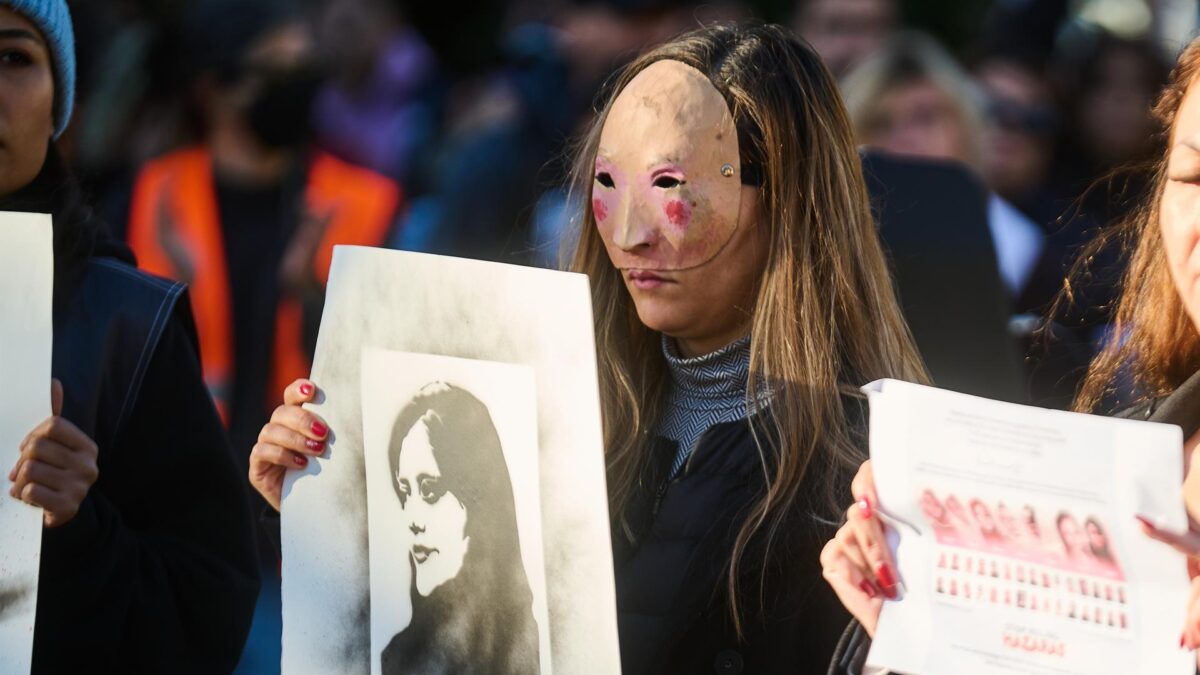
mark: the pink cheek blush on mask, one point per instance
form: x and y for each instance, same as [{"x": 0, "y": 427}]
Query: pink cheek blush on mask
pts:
[
  {"x": 599, "y": 209},
  {"x": 679, "y": 213}
]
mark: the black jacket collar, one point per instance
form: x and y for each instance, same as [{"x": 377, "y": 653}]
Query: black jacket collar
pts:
[{"x": 1181, "y": 407}]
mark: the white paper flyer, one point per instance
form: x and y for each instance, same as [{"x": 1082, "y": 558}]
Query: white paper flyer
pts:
[{"x": 1016, "y": 539}]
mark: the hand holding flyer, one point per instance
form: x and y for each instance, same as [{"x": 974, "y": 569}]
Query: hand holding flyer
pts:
[{"x": 1016, "y": 537}]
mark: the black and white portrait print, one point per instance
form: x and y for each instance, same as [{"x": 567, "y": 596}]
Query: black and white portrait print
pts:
[
  {"x": 457, "y": 580},
  {"x": 382, "y": 561}
]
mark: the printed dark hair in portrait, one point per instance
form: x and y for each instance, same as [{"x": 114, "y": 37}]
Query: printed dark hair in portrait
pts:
[
  {"x": 472, "y": 608},
  {"x": 13, "y": 596},
  {"x": 1097, "y": 540}
]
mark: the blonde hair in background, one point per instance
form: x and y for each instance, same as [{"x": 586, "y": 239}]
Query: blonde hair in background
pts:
[
  {"x": 1154, "y": 342},
  {"x": 825, "y": 320},
  {"x": 907, "y": 58}
]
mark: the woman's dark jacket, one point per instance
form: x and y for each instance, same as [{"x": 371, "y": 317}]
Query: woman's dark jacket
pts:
[
  {"x": 157, "y": 572},
  {"x": 1181, "y": 407},
  {"x": 670, "y": 558}
]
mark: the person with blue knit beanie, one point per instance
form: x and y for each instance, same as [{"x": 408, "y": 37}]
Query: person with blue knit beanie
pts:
[
  {"x": 53, "y": 19},
  {"x": 148, "y": 560}
]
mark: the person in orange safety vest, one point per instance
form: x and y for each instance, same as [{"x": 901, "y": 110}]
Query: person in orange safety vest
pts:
[{"x": 249, "y": 219}]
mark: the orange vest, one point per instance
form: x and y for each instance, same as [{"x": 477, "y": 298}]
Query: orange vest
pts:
[{"x": 174, "y": 229}]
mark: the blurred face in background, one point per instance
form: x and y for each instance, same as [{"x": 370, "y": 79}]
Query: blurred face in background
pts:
[
  {"x": 26, "y": 101},
  {"x": 272, "y": 92},
  {"x": 917, "y": 118},
  {"x": 1114, "y": 108},
  {"x": 371, "y": 22},
  {"x": 598, "y": 37},
  {"x": 845, "y": 31},
  {"x": 1021, "y": 118}
]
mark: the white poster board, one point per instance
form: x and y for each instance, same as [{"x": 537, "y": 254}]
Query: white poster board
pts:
[
  {"x": 1018, "y": 549},
  {"x": 26, "y": 297},
  {"x": 524, "y": 330}
]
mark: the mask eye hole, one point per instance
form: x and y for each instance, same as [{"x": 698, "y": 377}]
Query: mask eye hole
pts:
[
  {"x": 605, "y": 179},
  {"x": 667, "y": 182}
]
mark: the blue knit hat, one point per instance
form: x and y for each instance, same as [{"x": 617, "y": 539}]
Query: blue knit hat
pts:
[{"x": 54, "y": 20}]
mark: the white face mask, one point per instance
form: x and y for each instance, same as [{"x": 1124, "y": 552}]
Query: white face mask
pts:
[
  {"x": 435, "y": 518},
  {"x": 667, "y": 189}
]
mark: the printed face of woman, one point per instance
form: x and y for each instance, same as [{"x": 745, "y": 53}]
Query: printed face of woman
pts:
[
  {"x": 932, "y": 508},
  {"x": 956, "y": 509},
  {"x": 1179, "y": 208},
  {"x": 26, "y": 101},
  {"x": 983, "y": 517},
  {"x": 436, "y": 518},
  {"x": 670, "y": 207},
  {"x": 1031, "y": 523},
  {"x": 1068, "y": 531},
  {"x": 1096, "y": 538},
  {"x": 1008, "y": 524}
]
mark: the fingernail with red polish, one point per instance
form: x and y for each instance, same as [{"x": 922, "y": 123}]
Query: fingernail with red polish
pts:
[
  {"x": 319, "y": 429},
  {"x": 306, "y": 389},
  {"x": 1181, "y": 641},
  {"x": 864, "y": 508},
  {"x": 887, "y": 580},
  {"x": 1145, "y": 521},
  {"x": 301, "y": 461},
  {"x": 868, "y": 588},
  {"x": 314, "y": 445}
]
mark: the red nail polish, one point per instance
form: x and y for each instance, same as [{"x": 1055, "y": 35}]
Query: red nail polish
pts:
[
  {"x": 887, "y": 580},
  {"x": 313, "y": 445},
  {"x": 301, "y": 460},
  {"x": 868, "y": 588},
  {"x": 864, "y": 508},
  {"x": 319, "y": 429},
  {"x": 306, "y": 389},
  {"x": 1145, "y": 521},
  {"x": 1181, "y": 641}
]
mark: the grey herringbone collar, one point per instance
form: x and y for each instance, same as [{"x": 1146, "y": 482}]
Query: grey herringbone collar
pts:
[
  {"x": 713, "y": 381},
  {"x": 705, "y": 390}
]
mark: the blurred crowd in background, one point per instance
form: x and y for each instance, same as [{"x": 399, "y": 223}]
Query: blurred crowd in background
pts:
[{"x": 233, "y": 142}]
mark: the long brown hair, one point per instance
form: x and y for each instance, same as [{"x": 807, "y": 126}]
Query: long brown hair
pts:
[
  {"x": 825, "y": 316},
  {"x": 1154, "y": 343}
]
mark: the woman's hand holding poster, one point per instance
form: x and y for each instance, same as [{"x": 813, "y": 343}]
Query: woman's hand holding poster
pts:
[
  {"x": 1018, "y": 546},
  {"x": 458, "y": 522}
]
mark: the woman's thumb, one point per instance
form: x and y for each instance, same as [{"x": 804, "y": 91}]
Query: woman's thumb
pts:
[{"x": 56, "y": 397}]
